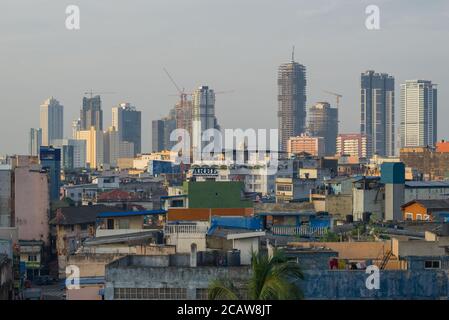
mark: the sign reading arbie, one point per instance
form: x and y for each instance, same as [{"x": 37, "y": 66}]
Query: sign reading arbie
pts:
[{"x": 205, "y": 171}]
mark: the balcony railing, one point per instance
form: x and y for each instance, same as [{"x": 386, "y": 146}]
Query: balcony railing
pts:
[
  {"x": 187, "y": 228},
  {"x": 303, "y": 230}
]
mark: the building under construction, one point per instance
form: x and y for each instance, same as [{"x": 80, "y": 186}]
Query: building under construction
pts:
[
  {"x": 323, "y": 122},
  {"x": 184, "y": 115},
  {"x": 292, "y": 101}
]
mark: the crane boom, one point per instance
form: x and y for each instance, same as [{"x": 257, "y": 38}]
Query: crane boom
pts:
[
  {"x": 173, "y": 81},
  {"x": 336, "y": 95},
  {"x": 91, "y": 93}
]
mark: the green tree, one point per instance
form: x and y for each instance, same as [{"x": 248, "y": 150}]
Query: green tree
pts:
[
  {"x": 330, "y": 236},
  {"x": 272, "y": 278}
]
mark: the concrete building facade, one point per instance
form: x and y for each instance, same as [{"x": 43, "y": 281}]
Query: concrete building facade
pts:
[{"x": 323, "y": 122}]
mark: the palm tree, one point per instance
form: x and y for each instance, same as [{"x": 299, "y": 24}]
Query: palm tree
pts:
[{"x": 272, "y": 278}]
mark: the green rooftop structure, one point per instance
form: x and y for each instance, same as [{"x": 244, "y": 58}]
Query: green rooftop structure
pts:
[{"x": 216, "y": 194}]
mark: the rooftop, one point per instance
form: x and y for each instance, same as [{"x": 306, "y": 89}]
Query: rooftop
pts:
[
  {"x": 109, "y": 213},
  {"x": 79, "y": 215},
  {"x": 236, "y": 233},
  {"x": 427, "y": 184},
  {"x": 430, "y": 204},
  {"x": 119, "y": 238}
]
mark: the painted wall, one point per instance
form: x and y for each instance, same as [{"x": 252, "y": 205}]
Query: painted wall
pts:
[{"x": 32, "y": 204}]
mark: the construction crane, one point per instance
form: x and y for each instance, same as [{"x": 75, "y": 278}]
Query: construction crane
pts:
[
  {"x": 182, "y": 94},
  {"x": 91, "y": 93},
  {"x": 336, "y": 95}
]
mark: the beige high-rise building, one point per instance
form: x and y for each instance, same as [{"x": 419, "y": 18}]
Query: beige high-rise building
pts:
[
  {"x": 94, "y": 146},
  {"x": 305, "y": 143}
]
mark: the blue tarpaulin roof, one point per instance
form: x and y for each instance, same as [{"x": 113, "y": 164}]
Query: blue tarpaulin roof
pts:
[{"x": 130, "y": 213}]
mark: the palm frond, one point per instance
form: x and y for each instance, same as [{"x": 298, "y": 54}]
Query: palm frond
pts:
[{"x": 222, "y": 290}]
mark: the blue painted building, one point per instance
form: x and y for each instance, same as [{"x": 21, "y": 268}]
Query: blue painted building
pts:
[
  {"x": 157, "y": 167},
  {"x": 50, "y": 159}
]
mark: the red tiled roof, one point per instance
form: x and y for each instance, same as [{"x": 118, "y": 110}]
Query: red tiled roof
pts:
[{"x": 117, "y": 195}]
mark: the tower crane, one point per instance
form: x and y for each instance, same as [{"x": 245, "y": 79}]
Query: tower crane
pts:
[
  {"x": 182, "y": 94},
  {"x": 336, "y": 95},
  {"x": 91, "y": 93}
]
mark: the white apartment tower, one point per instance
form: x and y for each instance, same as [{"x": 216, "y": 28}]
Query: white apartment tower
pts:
[
  {"x": 418, "y": 113},
  {"x": 203, "y": 115}
]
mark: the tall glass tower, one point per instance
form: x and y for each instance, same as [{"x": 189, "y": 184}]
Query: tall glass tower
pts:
[{"x": 377, "y": 112}]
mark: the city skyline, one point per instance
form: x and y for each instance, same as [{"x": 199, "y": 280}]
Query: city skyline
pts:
[{"x": 334, "y": 26}]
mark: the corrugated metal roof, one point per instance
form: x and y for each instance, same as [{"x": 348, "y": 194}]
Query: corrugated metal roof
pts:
[{"x": 427, "y": 184}]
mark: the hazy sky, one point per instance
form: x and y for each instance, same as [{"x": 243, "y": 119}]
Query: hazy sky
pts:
[{"x": 122, "y": 47}]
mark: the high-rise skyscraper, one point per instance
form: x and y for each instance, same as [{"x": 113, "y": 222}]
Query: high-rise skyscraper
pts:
[
  {"x": 51, "y": 121},
  {"x": 115, "y": 148},
  {"x": 76, "y": 126},
  {"x": 184, "y": 109},
  {"x": 418, "y": 113},
  {"x": 291, "y": 101},
  {"x": 91, "y": 114},
  {"x": 377, "y": 112},
  {"x": 161, "y": 130},
  {"x": 94, "y": 146},
  {"x": 50, "y": 159},
  {"x": 203, "y": 115},
  {"x": 127, "y": 121},
  {"x": 323, "y": 122},
  {"x": 73, "y": 153},
  {"x": 35, "y": 141}
]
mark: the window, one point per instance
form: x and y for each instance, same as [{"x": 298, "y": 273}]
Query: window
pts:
[
  {"x": 110, "y": 223},
  {"x": 432, "y": 264},
  {"x": 32, "y": 258},
  {"x": 150, "y": 293},
  {"x": 419, "y": 216},
  {"x": 282, "y": 187},
  {"x": 408, "y": 216},
  {"x": 202, "y": 294},
  {"x": 123, "y": 224},
  {"x": 84, "y": 226}
]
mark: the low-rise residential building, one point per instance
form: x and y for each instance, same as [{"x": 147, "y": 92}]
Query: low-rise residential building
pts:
[
  {"x": 117, "y": 222},
  {"x": 73, "y": 225},
  {"x": 426, "y": 210},
  {"x": 32, "y": 255},
  {"x": 245, "y": 241},
  {"x": 368, "y": 197}
]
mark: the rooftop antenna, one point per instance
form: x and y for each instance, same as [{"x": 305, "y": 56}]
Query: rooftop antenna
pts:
[{"x": 293, "y": 54}]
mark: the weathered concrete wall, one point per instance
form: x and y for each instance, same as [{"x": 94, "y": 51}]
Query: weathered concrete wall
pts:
[
  {"x": 171, "y": 277},
  {"x": 394, "y": 284},
  {"x": 334, "y": 285},
  {"x": 339, "y": 205}
]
